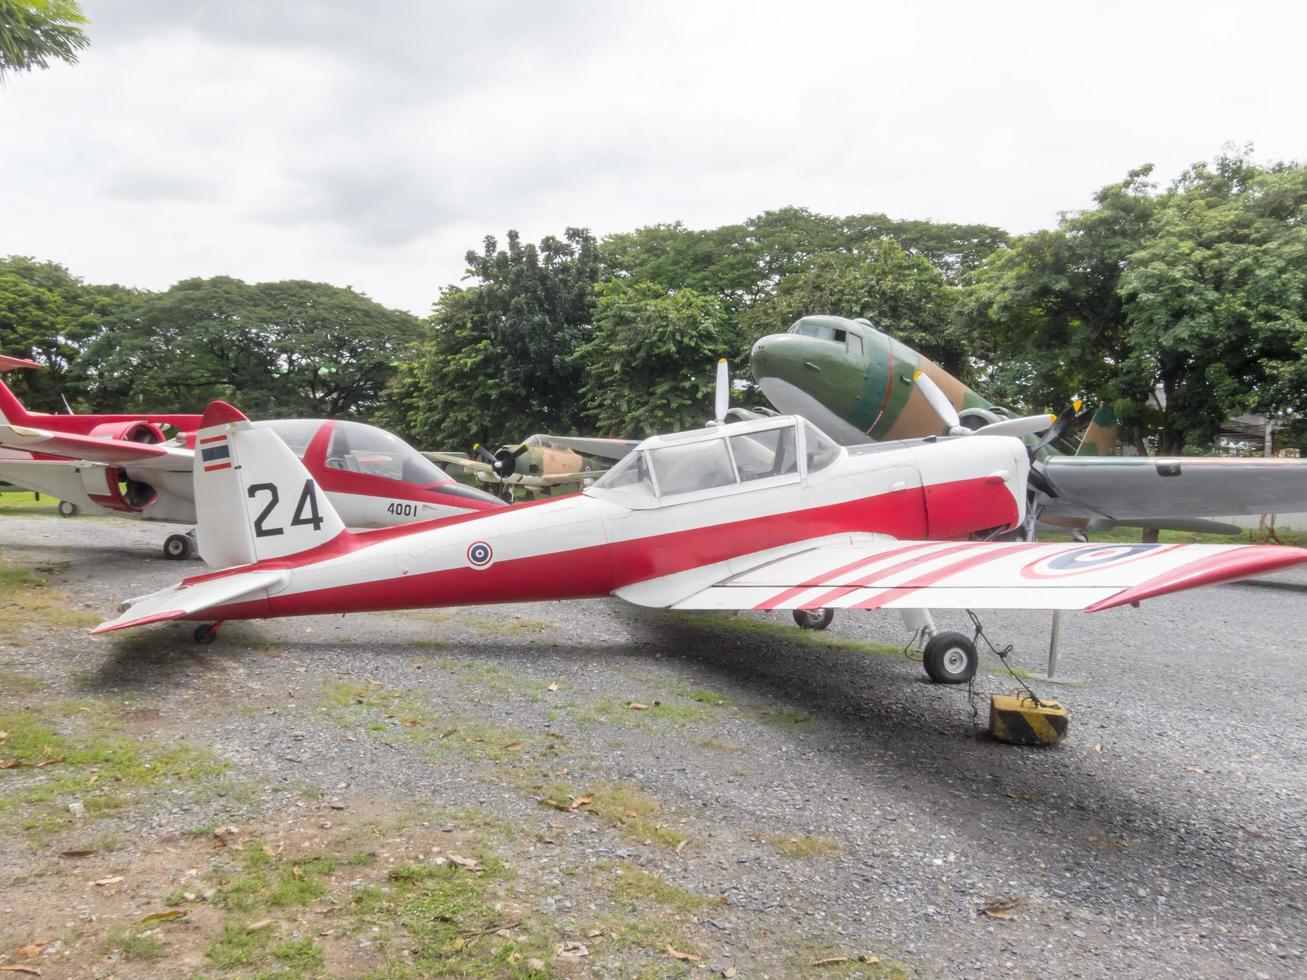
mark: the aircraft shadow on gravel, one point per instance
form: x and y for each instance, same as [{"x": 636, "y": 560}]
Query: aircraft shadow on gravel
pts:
[{"x": 923, "y": 741}]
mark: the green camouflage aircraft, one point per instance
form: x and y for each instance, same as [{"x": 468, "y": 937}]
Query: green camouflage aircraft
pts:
[{"x": 860, "y": 385}]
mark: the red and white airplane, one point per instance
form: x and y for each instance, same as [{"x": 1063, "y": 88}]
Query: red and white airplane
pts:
[
  {"x": 762, "y": 514},
  {"x": 141, "y": 466}
]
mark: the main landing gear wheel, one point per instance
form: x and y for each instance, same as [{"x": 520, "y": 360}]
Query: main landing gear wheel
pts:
[
  {"x": 813, "y": 619},
  {"x": 506, "y": 495},
  {"x": 206, "y": 633},
  {"x": 178, "y": 547},
  {"x": 67, "y": 508},
  {"x": 950, "y": 658}
]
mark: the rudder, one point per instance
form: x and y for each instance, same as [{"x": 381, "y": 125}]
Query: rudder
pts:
[{"x": 254, "y": 500}]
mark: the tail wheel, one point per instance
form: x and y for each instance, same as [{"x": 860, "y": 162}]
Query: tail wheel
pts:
[
  {"x": 206, "y": 633},
  {"x": 950, "y": 658},
  {"x": 178, "y": 547},
  {"x": 813, "y": 619}
]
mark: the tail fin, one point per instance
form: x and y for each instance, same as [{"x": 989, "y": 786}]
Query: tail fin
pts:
[
  {"x": 254, "y": 500},
  {"x": 11, "y": 409},
  {"x": 1100, "y": 438}
]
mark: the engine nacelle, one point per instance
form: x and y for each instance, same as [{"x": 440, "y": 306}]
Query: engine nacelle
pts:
[
  {"x": 110, "y": 487},
  {"x": 138, "y": 431}
]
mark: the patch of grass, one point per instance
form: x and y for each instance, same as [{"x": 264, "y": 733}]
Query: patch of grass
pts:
[
  {"x": 132, "y": 943},
  {"x": 22, "y": 502},
  {"x": 13, "y": 683},
  {"x": 782, "y": 717},
  {"x": 635, "y": 886},
  {"x": 453, "y": 920},
  {"x": 706, "y": 697},
  {"x": 804, "y": 847},
  {"x": 719, "y": 745},
  {"x": 101, "y": 768},
  {"x": 176, "y": 897},
  {"x": 1128, "y": 535},
  {"x": 509, "y": 627},
  {"x": 632, "y": 811},
  {"x": 298, "y": 955},
  {"x": 235, "y": 947},
  {"x": 28, "y": 601},
  {"x": 617, "y": 712},
  {"x": 280, "y": 881},
  {"x": 495, "y": 678}
]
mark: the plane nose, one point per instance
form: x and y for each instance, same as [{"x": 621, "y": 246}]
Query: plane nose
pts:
[{"x": 822, "y": 370}]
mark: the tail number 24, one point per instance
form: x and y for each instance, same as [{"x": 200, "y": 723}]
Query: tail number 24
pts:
[{"x": 306, "y": 511}]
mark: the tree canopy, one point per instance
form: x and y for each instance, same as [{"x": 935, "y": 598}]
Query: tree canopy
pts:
[
  {"x": 1178, "y": 306},
  {"x": 35, "y": 32}
]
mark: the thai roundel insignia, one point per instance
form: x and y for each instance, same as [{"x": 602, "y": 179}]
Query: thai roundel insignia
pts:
[
  {"x": 480, "y": 554},
  {"x": 1087, "y": 559}
]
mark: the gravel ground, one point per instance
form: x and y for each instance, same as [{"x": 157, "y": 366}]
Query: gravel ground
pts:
[{"x": 1166, "y": 837}]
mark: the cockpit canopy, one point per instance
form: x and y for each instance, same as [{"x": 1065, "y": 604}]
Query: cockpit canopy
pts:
[
  {"x": 836, "y": 329},
  {"x": 359, "y": 448},
  {"x": 755, "y": 453}
]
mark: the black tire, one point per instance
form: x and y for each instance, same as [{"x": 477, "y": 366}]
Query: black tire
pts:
[
  {"x": 506, "y": 495},
  {"x": 950, "y": 658},
  {"x": 205, "y": 633},
  {"x": 813, "y": 619},
  {"x": 178, "y": 547},
  {"x": 67, "y": 508}
]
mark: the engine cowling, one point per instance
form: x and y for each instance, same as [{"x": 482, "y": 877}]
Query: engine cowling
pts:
[{"x": 138, "y": 431}]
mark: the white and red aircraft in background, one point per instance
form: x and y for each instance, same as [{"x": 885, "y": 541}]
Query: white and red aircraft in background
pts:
[
  {"x": 141, "y": 466},
  {"x": 762, "y": 514}
]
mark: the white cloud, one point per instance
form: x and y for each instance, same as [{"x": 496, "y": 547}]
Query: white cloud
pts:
[{"x": 373, "y": 145}]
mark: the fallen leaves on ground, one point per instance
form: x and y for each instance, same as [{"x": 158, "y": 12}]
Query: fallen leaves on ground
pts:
[
  {"x": 676, "y": 954},
  {"x": 113, "y": 880},
  {"x": 170, "y": 916},
  {"x": 571, "y": 950},
  {"x": 831, "y": 961},
  {"x": 34, "y": 971},
  {"x": 1004, "y": 908},
  {"x": 77, "y": 853},
  {"x": 30, "y": 950},
  {"x": 468, "y": 864},
  {"x": 257, "y": 926},
  {"x": 552, "y": 687},
  {"x": 637, "y": 706}
]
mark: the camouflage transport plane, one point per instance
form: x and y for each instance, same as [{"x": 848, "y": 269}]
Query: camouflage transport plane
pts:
[{"x": 861, "y": 385}]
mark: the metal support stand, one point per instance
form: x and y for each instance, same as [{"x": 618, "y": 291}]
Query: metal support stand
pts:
[{"x": 1054, "y": 640}]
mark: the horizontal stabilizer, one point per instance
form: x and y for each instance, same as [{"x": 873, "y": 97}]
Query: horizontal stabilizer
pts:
[
  {"x": 185, "y": 600},
  {"x": 95, "y": 449}
]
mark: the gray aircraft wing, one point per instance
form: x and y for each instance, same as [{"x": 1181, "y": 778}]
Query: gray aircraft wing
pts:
[{"x": 1132, "y": 488}]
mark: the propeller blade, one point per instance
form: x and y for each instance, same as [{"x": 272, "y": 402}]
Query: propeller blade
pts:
[
  {"x": 1064, "y": 421},
  {"x": 939, "y": 402},
  {"x": 723, "y": 393},
  {"x": 485, "y": 455},
  {"x": 1026, "y": 426}
]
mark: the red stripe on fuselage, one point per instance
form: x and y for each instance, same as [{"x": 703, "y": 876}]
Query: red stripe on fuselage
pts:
[{"x": 582, "y": 573}]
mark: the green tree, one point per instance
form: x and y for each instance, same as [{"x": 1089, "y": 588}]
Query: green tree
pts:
[
  {"x": 498, "y": 363},
  {"x": 1216, "y": 301},
  {"x": 35, "y": 32},
  {"x": 274, "y": 349},
  {"x": 47, "y": 314},
  {"x": 650, "y": 365}
]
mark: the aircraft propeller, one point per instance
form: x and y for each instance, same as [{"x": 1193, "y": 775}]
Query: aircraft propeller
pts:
[
  {"x": 1025, "y": 426},
  {"x": 504, "y": 462},
  {"x": 723, "y": 393}
]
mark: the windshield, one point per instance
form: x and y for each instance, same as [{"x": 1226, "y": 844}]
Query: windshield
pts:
[
  {"x": 819, "y": 330},
  {"x": 819, "y": 450},
  {"x": 630, "y": 478},
  {"x": 360, "y": 448},
  {"x": 296, "y": 433}
]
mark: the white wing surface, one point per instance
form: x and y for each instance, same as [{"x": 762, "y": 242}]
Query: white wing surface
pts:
[{"x": 205, "y": 593}]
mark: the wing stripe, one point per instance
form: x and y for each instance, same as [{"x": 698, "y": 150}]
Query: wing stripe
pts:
[
  {"x": 819, "y": 580},
  {"x": 939, "y": 574},
  {"x": 838, "y": 593}
]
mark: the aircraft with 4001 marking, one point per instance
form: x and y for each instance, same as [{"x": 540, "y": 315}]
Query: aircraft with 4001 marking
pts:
[{"x": 762, "y": 514}]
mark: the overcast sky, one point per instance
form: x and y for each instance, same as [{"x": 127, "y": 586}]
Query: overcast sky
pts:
[{"x": 372, "y": 145}]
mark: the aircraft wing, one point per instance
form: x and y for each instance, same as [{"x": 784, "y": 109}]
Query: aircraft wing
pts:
[
  {"x": 610, "y": 449},
  {"x": 94, "y": 449},
  {"x": 462, "y": 462},
  {"x": 184, "y": 600},
  {"x": 886, "y": 574},
  {"x": 1126, "y": 488}
]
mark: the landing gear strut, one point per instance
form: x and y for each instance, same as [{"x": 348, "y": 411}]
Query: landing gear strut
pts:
[
  {"x": 950, "y": 658},
  {"x": 206, "y": 633},
  {"x": 813, "y": 619},
  {"x": 179, "y": 547}
]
